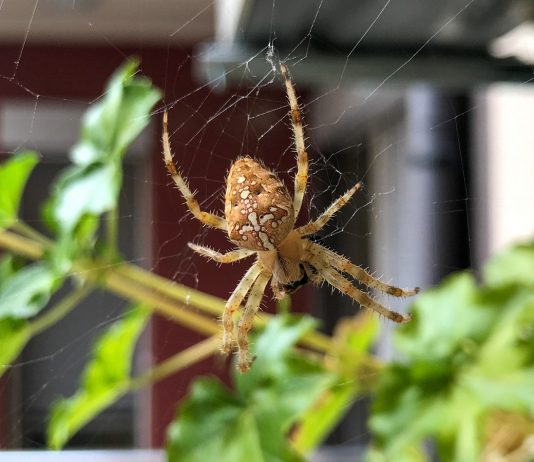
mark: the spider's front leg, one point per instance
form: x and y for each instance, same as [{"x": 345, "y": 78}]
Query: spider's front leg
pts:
[
  {"x": 301, "y": 178},
  {"x": 315, "y": 226},
  {"x": 207, "y": 218}
]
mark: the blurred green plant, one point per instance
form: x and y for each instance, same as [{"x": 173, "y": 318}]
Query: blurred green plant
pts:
[{"x": 468, "y": 356}]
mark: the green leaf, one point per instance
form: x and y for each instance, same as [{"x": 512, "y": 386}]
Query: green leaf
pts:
[
  {"x": 435, "y": 332},
  {"x": 515, "y": 266},
  {"x": 27, "y": 291},
  {"x": 86, "y": 190},
  {"x": 92, "y": 185},
  {"x": 14, "y": 334},
  {"x": 320, "y": 420},
  {"x": 13, "y": 176},
  {"x": 252, "y": 423},
  {"x": 213, "y": 425},
  {"x": 468, "y": 352},
  {"x": 353, "y": 338},
  {"x": 106, "y": 377},
  {"x": 112, "y": 124}
]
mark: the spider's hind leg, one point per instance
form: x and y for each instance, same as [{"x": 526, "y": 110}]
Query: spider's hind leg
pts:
[
  {"x": 344, "y": 265},
  {"x": 338, "y": 281}
]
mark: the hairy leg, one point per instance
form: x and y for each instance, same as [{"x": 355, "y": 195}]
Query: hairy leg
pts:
[
  {"x": 245, "y": 323},
  {"x": 344, "y": 265},
  {"x": 315, "y": 226},
  {"x": 233, "y": 304},
  {"x": 301, "y": 177},
  {"x": 228, "y": 257},
  {"x": 207, "y": 218},
  {"x": 335, "y": 279}
]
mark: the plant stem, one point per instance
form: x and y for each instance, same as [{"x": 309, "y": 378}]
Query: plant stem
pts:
[
  {"x": 59, "y": 311},
  {"x": 112, "y": 233},
  {"x": 31, "y": 233},
  {"x": 186, "y": 295},
  {"x": 21, "y": 245},
  {"x": 130, "y": 289},
  {"x": 136, "y": 283},
  {"x": 177, "y": 362}
]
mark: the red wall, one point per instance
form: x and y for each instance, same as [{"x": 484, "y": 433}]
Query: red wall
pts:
[{"x": 80, "y": 73}]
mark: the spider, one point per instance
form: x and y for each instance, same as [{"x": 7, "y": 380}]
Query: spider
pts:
[{"x": 259, "y": 217}]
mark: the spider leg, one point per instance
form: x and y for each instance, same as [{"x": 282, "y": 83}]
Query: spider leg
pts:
[
  {"x": 245, "y": 323},
  {"x": 315, "y": 226},
  {"x": 301, "y": 178},
  {"x": 207, "y": 218},
  {"x": 229, "y": 257},
  {"x": 233, "y": 304},
  {"x": 335, "y": 279},
  {"x": 344, "y": 265}
]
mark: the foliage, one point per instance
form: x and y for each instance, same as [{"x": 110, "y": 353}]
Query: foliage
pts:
[
  {"x": 83, "y": 192},
  {"x": 13, "y": 177},
  {"x": 105, "y": 378},
  {"x": 251, "y": 423},
  {"x": 468, "y": 353},
  {"x": 285, "y": 390}
]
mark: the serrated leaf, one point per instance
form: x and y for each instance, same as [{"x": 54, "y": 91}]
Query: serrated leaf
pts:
[
  {"x": 252, "y": 422},
  {"x": 27, "y": 291},
  {"x": 227, "y": 432},
  {"x": 13, "y": 176},
  {"x": 106, "y": 377},
  {"x": 14, "y": 334}
]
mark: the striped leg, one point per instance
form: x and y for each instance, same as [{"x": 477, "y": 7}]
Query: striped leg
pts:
[
  {"x": 301, "y": 177},
  {"x": 315, "y": 226},
  {"x": 207, "y": 218},
  {"x": 229, "y": 257},
  {"x": 245, "y": 323},
  {"x": 343, "y": 264},
  {"x": 233, "y": 303},
  {"x": 335, "y": 279}
]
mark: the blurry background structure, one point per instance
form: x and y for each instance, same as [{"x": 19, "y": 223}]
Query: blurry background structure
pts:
[{"x": 429, "y": 103}]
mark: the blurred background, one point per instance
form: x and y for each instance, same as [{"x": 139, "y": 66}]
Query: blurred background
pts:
[{"x": 429, "y": 104}]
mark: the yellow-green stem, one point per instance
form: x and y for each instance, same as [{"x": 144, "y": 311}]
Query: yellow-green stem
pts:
[
  {"x": 31, "y": 233},
  {"x": 57, "y": 312},
  {"x": 112, "y": 233},
  {"x": 131, "y": 289},
  {"x": 179, "y": 361},
  {"x": 136, "y": 283}
]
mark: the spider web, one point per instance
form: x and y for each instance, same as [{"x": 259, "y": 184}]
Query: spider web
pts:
[{"x": 355, "y": 132}]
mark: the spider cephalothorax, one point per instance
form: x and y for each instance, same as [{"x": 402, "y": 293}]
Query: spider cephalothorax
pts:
[{"x": 260, "y": 217}]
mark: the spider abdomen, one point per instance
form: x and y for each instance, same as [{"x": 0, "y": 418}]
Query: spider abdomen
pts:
[{"x": 258, "y": 207}]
